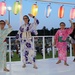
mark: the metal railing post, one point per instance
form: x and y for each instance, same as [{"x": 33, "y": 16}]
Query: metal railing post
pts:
[
  {"x": 10, "y": 52},
  {"x": 53, "y": 51},
  {"x": 70, "y": 48},
  {"x": 43, "y": 47}
]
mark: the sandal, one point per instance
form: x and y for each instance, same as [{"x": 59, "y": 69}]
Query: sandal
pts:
[
  {"x": 6, "y": 70},
  {"x": 74, "y": 60},
  {"x": 24, "y": 66},
  {"x": 59, "y": 61},
  {"x": 35, "y": 67},
  {"x": 66, "y": 64}
]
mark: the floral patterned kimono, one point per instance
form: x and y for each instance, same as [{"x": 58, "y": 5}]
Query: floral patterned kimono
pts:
[
  {"x": 61, "y": 44},
  {"x": 24, "y": 36},
  {"x": 3, "y": 46}
]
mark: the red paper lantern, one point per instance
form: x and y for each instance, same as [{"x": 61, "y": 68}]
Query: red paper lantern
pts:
[
  {"x": 2, "y": 8},
  {"x": 72, "y": 13},
  {"x": 61, "y": 12}
]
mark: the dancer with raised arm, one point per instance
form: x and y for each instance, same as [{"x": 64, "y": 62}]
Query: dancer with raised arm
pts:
[
  {"x": 24, "y": 36},
  {"x": 60, "y": 39},
  {"x": 3, "y": 46}
]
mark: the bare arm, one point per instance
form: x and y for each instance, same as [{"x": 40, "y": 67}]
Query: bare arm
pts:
[{"x": 72, "y": 25}]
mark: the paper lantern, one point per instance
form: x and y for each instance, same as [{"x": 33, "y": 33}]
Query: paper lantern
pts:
[
  {"x": 72, "y": 13},
  {"x": 48, "y": 10},
  {"x": 61, "y": 12},
  {"x": 16, "y": 7},
  {"x": 34, "y": 9},
  {"x": 2, "y": 8}
]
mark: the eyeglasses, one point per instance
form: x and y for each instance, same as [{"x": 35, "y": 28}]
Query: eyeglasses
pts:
[
  {"x": 62, "y": 25},
  {"x": 25, "y": 18},
  {"x": 2, "y": 23}
]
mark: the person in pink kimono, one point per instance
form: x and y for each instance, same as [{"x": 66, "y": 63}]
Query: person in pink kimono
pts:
[{"x": 60, "y": 40}]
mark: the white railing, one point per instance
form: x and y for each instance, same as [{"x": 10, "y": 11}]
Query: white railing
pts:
[{"x": 43, "y": 46}]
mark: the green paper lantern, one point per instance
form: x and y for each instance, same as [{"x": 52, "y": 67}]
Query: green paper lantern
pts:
[{"x": 16, "y": 7}]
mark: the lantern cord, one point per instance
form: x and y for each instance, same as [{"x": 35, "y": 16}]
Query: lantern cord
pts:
[
  {"x": 35, "y": 2},
  {"x": 4, "y": 0},
  {"x": 49, "y": 3},
  {"x": 69, "y": 3},
  {"x": 17, "y": 0}
]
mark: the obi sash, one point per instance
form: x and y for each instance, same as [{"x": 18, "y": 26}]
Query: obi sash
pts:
[
  {"x": 60, "y": 39},
  {"x": 26, "y": 35}
]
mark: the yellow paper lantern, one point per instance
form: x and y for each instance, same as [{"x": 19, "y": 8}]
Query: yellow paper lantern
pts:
[
  {"x": 2, "y": 8},
  {"x": 16, "y": 7},
  {"x": 34, "y": 9}
]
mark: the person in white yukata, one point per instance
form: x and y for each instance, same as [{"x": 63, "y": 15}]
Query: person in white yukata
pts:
[
  {"x": 25, "y": 38},
  {"x": 3, "y": 46}
]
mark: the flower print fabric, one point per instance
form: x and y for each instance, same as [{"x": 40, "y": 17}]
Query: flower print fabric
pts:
[{"x": 24, "y": 36}]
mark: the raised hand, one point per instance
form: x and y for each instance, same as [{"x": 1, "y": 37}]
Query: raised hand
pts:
[
  {"x": 72, "y": 25},
  {"x": 30, "y": 15},
  {"x": 70, "y": 21},
  {"x": 6, "y": 21}
]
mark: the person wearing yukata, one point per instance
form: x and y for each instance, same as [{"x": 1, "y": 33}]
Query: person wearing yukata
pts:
[
  {"x": 60, "y": 40},
  {"x": 3, "y": 46},
  {"x": 72, "y": 35},
  {"x": 25, "y": 38}
]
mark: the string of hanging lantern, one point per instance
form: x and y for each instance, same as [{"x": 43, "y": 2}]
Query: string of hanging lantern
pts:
[
  {"x": 61, "y": 8},
  {"x": 34, "y": 11},
  {"x": 16, "y": 7}
]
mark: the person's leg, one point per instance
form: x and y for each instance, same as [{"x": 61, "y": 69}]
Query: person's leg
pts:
[
  {"x": 65, "y": 56},
  {"x": 31, "y": 57},
  {"x": 24, "y": 62},
  {"x": 23, "y": 55},
  {"x": 34, "y": 63},
  {"x": 73, "y": 45},
  {"x": 24, "y": 58},
  {"x": 4, "y": 57},
  {"x": 59, "y": 57}
]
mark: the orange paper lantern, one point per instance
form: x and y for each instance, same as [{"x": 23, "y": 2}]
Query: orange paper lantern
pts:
[
  {"x": 72, "y": 13},
  {"x": 2, "y": 8},
  {"x": 34, "y": 9},
  {"x": 61, "y": 12}
]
